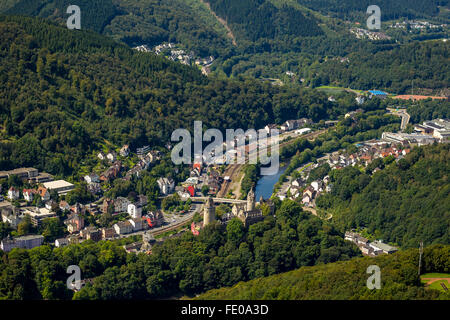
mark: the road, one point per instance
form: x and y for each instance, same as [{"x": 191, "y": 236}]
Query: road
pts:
[
  {"x": 170, "y": 226},
  {"x": 402, "y": 113},
  {"x": 219, "y": 200}
]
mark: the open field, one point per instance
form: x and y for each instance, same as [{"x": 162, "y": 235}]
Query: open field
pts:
[
  {"x": 437, "y": 281},
  {"x": 331, "y": 89}
]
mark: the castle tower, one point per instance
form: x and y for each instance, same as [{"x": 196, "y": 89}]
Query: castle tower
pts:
[
  {"x": 251, "y": 200},
  {"x": 209, "y": 212}
]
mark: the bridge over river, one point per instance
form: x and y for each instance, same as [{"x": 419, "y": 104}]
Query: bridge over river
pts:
[{"x": 218, "y": 200}]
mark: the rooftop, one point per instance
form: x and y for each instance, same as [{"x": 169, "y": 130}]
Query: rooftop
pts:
[
  {"x": 383, "y": 246},
  {"x": 57, "y": 184}
]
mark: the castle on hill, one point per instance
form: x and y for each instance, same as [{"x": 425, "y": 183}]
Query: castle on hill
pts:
[{"x": 246, "y": 212}]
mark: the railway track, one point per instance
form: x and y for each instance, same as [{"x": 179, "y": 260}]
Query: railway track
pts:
[
  {"x": 233, "y": 170},
  {"x": 170, "y": 228}
]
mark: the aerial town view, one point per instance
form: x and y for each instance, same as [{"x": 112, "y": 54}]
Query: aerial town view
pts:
[{"x": 194, "y": 152}]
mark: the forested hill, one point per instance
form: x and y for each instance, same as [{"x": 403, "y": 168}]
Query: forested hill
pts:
[
  {"x": 257, "y": 19},
  {"x": 309, "y": 38},
  {"x": 137, "y": 22},
  {"x": 411, "y": 9},
  {"x": 346, "y": 280},
  {"x": 64, "y": 91},
  {"x": 406, "y": 202}
]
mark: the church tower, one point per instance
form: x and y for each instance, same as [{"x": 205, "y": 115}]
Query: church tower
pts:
[
  {"x": 251, "y": 200},
  {"x": 209, "y": 212}
]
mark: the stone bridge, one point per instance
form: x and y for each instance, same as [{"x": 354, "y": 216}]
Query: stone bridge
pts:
[{"x": 218, "y": 200}]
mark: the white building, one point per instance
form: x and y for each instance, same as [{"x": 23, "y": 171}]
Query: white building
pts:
[
  {"x": 121, "y": 204},
  {"x": 136, "y": 224},
  {"x": 91, "y": 178},
  {"x": 60, "y": 186},
  {"x": 123, "y": 227},
  {"x": 111, "y": 156},
  {"x": 134, "y": 210},
  {"x": 166, "y": 185},
  {"x": 25, "y": 242},
  {"x": 13, "y": 193},
  {"x": 28, "y": 194},
  {"x": 61, "y": 242}
]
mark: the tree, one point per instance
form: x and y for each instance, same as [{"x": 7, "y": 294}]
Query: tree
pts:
[
  {"x": 24, "y": 226},
  {"x": 205, "y": 190},
  {"x": 51, "y": 229},
  {"x": 235, "y": 231},
  {"x": 5, "y": 229}
]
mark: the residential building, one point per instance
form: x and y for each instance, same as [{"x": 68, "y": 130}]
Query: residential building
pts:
[
  {"x": 125, "y": 151},
  {"x": 25, "y": 242},
  {"x": 28, "y": 194},
  {"x": 166, "y": 185},
  {"x": 136, "y": 224},
  {"x": 62, "y": 242},
  {"x": 50, "y": 204},
  {"x": 107, "y": 204},
  {"x": 154, "y": 219},
  {"x": 123, "y": 227},
  {"x": 121, "y": 204},
  {"x": 11, "y": 215},
  {"x": 108, "y": 233},
  {"x": 13, "y": 193},
  {"x": 43, "y": 193},
  {"x": 101, "y": 155},
  {"x": 91, "y": 178},
  {"x": 94, "y": 188},
  {"x": 74, "y": 223},
  {"x": 111, "y": 156},
  {"x": 359, "y": 100},
  {"x": 91, "y": 233},
  {"x": 92, "y": 208},
  {"x": 290, "y": 125},
  {"x": 38, "y": 214},
  {"x": 142, "y": 151},
  {"x": 134, "y": 210}
]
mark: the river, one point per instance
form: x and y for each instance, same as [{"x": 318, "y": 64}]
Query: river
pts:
[{"x": 264, "y": 186}]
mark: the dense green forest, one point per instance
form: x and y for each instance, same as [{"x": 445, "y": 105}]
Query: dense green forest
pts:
[
  {"x": 347, "y": 280},
  {"x": 273, "y": 37},
  {"x": 390, "y": 69},
  {"x": 256, "y": 19},
  {"x": 64, "y": 92},
  {"x": 411, "y": 9},
  {"x": 183, "y": 265},
  {"x": 137, "y": 22},
  {"x": 405, "y": 203}
]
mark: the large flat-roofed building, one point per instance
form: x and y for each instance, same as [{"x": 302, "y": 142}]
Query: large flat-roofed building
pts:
[
  {"x": 440, "y": 128},
  {"x": 60, "y": 186},
  {"x": 30, "y": 174},
  {"x": 38, "y": 214},
  {"x": 23, "y": 173},
  {"x": 25, "y": 242},
  {"x": 378, "y": 245},
  {"x": 420, "y": 139}
]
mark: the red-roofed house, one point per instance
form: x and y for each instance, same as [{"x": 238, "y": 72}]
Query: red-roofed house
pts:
[
  {"x": 28, "y": 194},
  {"x": 44, "y": 193},
  {"x": 191, "y": 190}
]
